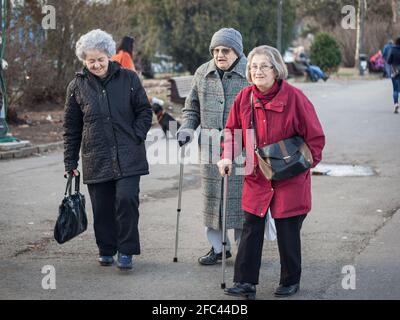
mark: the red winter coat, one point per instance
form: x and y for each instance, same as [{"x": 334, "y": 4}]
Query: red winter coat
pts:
[{"x": 289, "y": 113}]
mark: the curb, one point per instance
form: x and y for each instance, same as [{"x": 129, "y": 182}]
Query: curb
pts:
[{"x": 30, "y": 151}]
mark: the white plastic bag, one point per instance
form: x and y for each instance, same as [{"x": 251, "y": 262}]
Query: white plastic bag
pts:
[{"x": 270, "y": 229}]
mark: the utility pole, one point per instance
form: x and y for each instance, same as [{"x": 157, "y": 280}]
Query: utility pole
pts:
[
  {"x": 394, "y": 11},
  {"x": 363, "y": 8},
  {"x": 279, "y": 26},
  {"x": 360, "y": 56}
]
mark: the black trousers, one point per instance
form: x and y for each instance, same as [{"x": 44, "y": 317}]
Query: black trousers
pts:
[
  {"x": 248, "y": 259},
  {"x": 116, "y": 215}
]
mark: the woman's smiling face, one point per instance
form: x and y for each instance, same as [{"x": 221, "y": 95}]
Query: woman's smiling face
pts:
[
  {"x": 97, "y": 63},
  {"x": 262, "y": 72}
]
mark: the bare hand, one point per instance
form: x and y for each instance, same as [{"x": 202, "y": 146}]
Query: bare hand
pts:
[
  {"x": 75, "y": 173},
  {"x": 225, "y": 167}
]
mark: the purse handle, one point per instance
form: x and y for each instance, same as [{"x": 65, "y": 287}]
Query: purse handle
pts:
[
  {"x": 68, "y": 188},
  {"x": 253, "y": 121},
  {"x": 281, "y": 144}
]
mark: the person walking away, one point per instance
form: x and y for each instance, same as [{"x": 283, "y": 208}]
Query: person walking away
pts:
[
  {"x": 394, "y": 62},
  {"x": 385, "y": 54}
]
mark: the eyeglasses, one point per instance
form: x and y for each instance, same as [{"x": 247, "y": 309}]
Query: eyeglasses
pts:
[
  {"x": 224, "y": 51},
  {"x": 263, "y": 68}
]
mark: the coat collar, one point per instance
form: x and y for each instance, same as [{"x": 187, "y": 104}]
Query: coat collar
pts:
[
  {"x": 279, "y": 102},
  {"x": 240, "y": 67}
]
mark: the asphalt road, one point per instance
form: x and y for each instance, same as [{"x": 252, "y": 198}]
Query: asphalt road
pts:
[{"x": 353, "y": 221}]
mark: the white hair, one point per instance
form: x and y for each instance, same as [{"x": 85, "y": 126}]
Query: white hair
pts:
[
  {"x": 95, "y": 40},
  {"x": 274, "y": 58}
]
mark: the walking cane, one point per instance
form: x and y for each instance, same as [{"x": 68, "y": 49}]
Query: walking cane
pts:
[
  {"x": 225, "y": 200},
  {"x": 178, "y": 211}
]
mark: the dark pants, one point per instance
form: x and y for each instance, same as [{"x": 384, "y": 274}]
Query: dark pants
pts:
[
  {"x": 116, "y": 215},
  {"x": 248, "y": 259},
  {"x": 396, "y": 88}
]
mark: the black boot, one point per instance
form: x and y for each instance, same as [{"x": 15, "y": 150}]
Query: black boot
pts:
[
  {"x": 212, "y": 258},
  {"x": 282, "y": 291},
  {"x": 239, "y": 289}
]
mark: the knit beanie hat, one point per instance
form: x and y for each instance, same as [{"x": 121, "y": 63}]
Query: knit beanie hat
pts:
[{"x": 227, "y": 37}]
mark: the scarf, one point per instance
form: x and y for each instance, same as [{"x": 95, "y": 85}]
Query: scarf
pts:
[
  {"x": 265, "y": 98},
  {"x": 221, "y": 72}
]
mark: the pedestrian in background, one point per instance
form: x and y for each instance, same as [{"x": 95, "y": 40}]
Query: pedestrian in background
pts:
[
  {"x": 385, "y": 54},
  {"x": 124, "y": 54},
  {"x": 213, "y": 91},
  {"x": 315, "y": 73},
  {"x": 280, "y": 111},
  {"x": 107, "y": 116},
  {"x": 394, "y": 62}
]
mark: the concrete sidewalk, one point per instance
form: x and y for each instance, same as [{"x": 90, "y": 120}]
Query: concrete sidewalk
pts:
[
  {"x": 351, "y": 222},
  {"x": 31, "y": 150},
  {"x": 377, "y": 267}
]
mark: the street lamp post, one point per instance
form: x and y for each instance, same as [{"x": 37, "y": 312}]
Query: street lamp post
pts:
[
  {"x": 362, "y": 57},
  {"x": 3, "y": 93},
  {"x": 279, "y": 26}
]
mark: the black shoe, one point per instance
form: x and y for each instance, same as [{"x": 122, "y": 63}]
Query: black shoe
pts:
[
  {"x": 212, "y": 258},
  {"x": 282, "y": 291},
  {"x": 124, "y": 261},
  {"x": 106, "y": 261},
  {"x": 246, "y": 290}
]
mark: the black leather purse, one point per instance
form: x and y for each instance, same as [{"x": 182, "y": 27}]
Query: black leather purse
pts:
[
  {"x": 72, "y": 219},
  {"x": 284, "y": 159}
]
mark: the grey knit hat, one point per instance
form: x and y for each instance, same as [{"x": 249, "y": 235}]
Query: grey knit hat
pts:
[{"x": 227, "y": 37}]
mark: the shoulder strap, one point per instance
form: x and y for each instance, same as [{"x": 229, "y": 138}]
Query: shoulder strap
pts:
[{"x": 253, "y": 121}]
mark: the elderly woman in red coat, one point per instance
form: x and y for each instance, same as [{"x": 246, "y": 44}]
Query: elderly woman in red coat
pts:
[{"x": 281, "y": 111}]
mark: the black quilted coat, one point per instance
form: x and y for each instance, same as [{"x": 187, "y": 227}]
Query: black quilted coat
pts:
[{"x": 109, "y": 119}]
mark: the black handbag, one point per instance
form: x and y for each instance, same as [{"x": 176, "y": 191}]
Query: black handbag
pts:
[
  {"x": 72, "y": 219},
  {"x": 284, "y": 159}
]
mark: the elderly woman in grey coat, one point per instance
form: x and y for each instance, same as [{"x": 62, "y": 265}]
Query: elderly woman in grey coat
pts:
[
  {"x": 213, "y": 91},
  {"x": 108, "y": 115}
]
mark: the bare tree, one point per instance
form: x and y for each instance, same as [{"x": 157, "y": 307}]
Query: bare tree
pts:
[
  {"x": 42, "y": 62},
  {"x": 394, "y": 11}
]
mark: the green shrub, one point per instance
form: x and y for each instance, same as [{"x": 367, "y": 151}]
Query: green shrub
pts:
[{"x": 325, "y": 53}]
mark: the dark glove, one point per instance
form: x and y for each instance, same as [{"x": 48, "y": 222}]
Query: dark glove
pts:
[{"x": 184, "y": 137}]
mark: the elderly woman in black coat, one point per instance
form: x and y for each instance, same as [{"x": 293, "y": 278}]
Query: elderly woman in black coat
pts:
[{"x": 107, "y": 116}]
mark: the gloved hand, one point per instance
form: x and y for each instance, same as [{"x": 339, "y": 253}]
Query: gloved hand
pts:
[{"x": 184, "y": 137}]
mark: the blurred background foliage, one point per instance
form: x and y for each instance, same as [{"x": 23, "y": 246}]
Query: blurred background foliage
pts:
[{"x": 42, "y": 62}]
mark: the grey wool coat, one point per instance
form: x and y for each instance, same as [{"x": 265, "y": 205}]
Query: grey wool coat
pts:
[{"x": 208, "y": 105}]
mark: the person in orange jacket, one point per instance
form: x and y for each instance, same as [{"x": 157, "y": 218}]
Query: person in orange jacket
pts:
[{"x": 124, "y": 54}]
